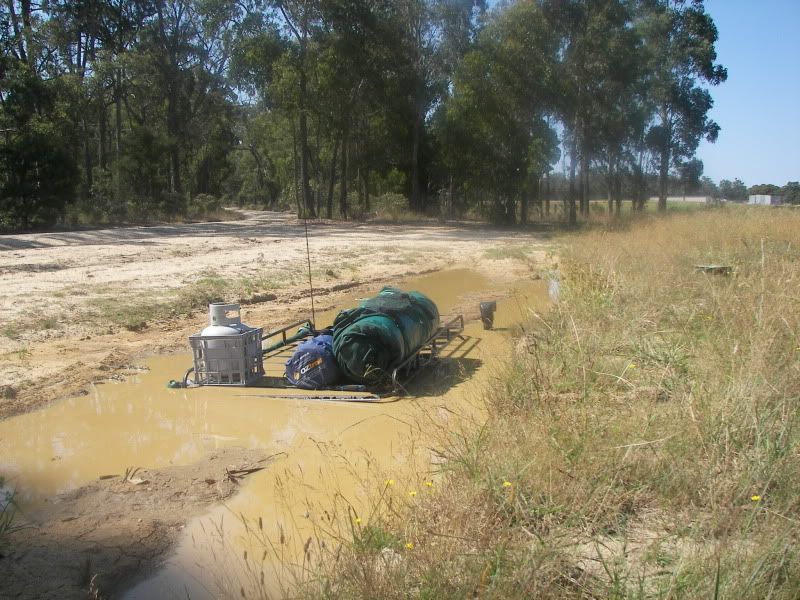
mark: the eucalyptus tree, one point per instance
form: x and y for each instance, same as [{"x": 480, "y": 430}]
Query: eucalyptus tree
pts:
[
  {"x": 618, "y": 104},
  {"x": 301, "y": 20},
  {"x": 493, "y": 129},
  {"x": 433, "y": 36},
  {"x": 690, "y": 173},
  {"x": 597, "y": 73},
  {"x": 38, "y": 171},
  {"x": 682, "y": 38}
]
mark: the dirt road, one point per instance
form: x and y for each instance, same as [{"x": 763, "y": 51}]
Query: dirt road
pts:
[{"x": 83, "y": 306}]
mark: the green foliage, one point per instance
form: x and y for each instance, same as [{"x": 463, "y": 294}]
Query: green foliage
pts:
[
  {"x": 764, "y": 189},
  {"x": 791, "y": 192},
  {"x": 735, "y": 190},
  {"x": 137, "y": 111},
  {"x": 492, "y": 128},
  {"x": 373, "y": 539},
  {"x": 37, "y": 169}
]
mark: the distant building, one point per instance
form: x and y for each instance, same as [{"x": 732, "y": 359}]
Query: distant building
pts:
[{"x": 765, "y": 199}]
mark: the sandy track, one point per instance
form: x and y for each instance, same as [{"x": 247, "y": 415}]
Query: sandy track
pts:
[{"x": 54, "y": 287}]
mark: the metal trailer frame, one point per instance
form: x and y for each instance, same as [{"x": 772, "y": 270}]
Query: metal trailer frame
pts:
[{"x": 401, "y": 375}]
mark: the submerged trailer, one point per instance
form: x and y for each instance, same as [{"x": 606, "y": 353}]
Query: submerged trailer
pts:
[
  {"x": 380, "y": 347},
  {"x": 285, "y": 344}
]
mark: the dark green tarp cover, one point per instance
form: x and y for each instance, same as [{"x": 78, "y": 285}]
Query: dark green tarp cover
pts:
[{"x": 370, "y": 341}]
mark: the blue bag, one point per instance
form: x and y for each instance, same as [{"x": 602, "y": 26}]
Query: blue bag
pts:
[{"x": 312, "y": 366}]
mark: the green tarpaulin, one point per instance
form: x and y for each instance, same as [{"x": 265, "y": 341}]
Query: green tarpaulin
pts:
[{"x": 370, "y": 341}]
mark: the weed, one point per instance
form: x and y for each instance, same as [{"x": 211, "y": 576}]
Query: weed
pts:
[
  {"x": 200, "y": 294},
  {"x": 12, "y": 331},
  {"x": 133, "y": 314},
  {"x": 49, "y": 323},
  {"x": 8, "y": 524},
  {"x": 23, "y": 355}
]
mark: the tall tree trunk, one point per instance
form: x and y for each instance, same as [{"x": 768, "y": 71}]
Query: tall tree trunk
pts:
[
  {"x": 367, "y": 199},
  {"x": 450, "y": 198},
  {"x": 547, "y": 195},
  {"x": 296, "y": 172},
  {"x": 416, "y": 200},
  {"x": 102, "y": 135},
  {"x": 343, "y": 181},
  {"x": 572, "y": 216},
  {"x": 308, "y": 200},
  {"x": 318, "y": 191},
  {"x": 584, "y": 179},
  {"x": 87, "y": 159},
  {"x": 663, "y": 167},
  {"x": 332, "y": 180},
  {"x": 359, "y": 186},
  {"x": 173, "y": 131},
  {"x": 618, "y": 194},
  {"x": 663, "y": 180},
  {"x": 523, "y": 213},
  {"x": 118, "y": 138},
  {"x": 610, "y": 186},
  {"x": 641, "y": 187}
]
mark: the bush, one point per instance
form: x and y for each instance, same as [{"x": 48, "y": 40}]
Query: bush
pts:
[{"x": 204, "y": 204}]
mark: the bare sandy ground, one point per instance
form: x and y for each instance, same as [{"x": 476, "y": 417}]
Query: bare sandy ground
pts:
[{"x": 55, "y": 287}]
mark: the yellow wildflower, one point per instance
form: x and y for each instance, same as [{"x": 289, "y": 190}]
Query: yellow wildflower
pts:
[
  {"x": 412, "y": 493},
  {"x": 410, "y": 545},
  {"x": 755, "y": 498},
  {"x": 429, "y": 483},
  {"x": 507, "y": 484},
  {"x": 390, "y": 482},
  {"x": 358, "y": 521}
]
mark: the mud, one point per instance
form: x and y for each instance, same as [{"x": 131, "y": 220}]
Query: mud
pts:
[{"x": 95, "y": 539}]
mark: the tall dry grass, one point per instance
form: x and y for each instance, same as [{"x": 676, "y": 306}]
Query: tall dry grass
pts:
[{"x": 642, "y": 443}]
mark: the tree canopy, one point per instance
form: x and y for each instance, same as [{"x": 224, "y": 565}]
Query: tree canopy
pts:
[{"x": 116, "y": 110}]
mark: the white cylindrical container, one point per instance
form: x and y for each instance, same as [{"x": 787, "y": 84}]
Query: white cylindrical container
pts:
[{"x": 224, "y": 319}]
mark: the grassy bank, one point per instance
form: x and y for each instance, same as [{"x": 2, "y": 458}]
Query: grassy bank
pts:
[{"x": 642, "y": 443}]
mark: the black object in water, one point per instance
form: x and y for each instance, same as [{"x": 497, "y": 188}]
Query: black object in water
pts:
[{"x": 487, "y": 313}]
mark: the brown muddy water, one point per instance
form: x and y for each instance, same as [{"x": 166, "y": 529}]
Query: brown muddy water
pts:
[{"x": 325, "y": 450}]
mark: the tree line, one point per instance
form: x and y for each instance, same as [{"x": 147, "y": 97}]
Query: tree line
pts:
[
  {"x": 737, "y": 191},
  {"x": 118, "y": 110}
]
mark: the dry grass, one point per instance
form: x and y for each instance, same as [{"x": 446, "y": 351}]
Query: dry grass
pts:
[{"x": 643, "y": 443}]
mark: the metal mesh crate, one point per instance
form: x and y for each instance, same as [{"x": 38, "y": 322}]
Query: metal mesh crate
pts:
[{"x": 227, "y": 359}]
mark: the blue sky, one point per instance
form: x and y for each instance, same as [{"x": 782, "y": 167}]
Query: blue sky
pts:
[{"x": 758, "y": 107}]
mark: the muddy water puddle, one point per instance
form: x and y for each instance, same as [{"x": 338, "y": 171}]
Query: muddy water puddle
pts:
[{"x": 323, "y": 447}]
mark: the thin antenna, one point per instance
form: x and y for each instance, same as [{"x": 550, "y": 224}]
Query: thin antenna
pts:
[{"x": 310, "y": 285}]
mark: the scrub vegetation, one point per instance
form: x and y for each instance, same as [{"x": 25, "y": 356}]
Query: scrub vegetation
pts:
[{"x": 642, "y": 442}]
